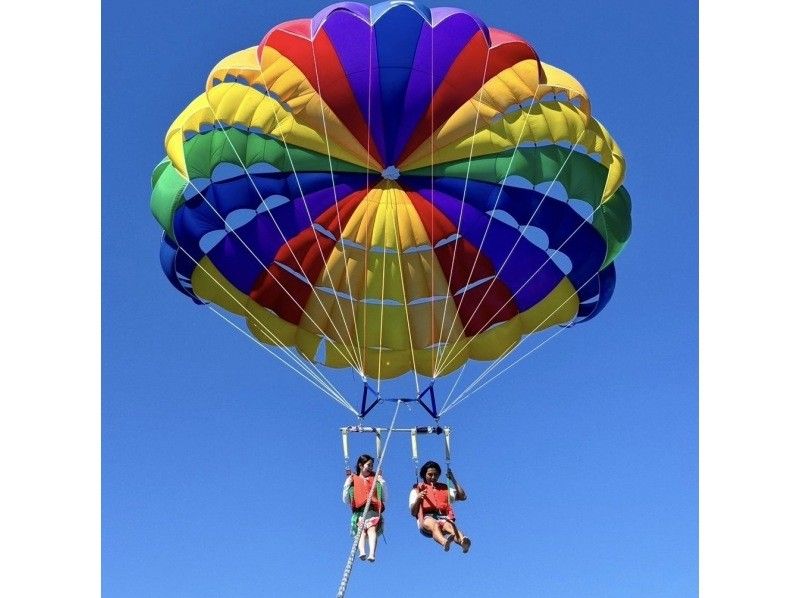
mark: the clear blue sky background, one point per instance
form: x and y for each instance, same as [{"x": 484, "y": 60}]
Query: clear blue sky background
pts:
[{"x": 222, "y": 470}]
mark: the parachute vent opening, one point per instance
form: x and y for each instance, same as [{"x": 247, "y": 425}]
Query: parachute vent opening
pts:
[
  {"x": 503, "y": 217},
  {"x": 495, "y": 325},
  {"x": 319, "y": 355},
  {"x": 583, "y": 209},
  {"x": 339, "y": 294},
  {"x": 272, "y": 202},
  {"x": 279, "y": 99},
  {"x": 324, "y": 231},
  {"x": 536, "y": 235},
  {"x": 472, "y": 285},
  {"x": 384, "y": 302},
  {"x": 424, "y": 300},
  {"x": 553, "y": 190},
  {"x": 225, "y": 171},
  {"x": 447, "y": 240},
  {"x": 349, "y": 243},
  {"x": 231, "y": 78},
  {"x": 516, "y": 181},
  {"x": 193, "y": 193},
  {"x": 238, "y": 218},
  {"x": 561, "y": 260},
  {"x": 391, "y": 173},
  {"x": 521, "y": 107},
  {"x": 591, "y": 300},
  {"x": 210, "y": 240},
  {"x": 417, "y": 249},
  {"x": 262, "y": 168},
  {"x": 293, "y": 272},
  {"x": 382, "y": 250}
]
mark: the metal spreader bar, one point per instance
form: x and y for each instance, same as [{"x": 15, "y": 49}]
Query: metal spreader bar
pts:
[{"x": 369, "y": 391}]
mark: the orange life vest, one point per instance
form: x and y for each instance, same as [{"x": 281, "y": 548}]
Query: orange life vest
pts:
[
  {"x": 436, "y": 501},
  {"x": 361, "y": 488}
]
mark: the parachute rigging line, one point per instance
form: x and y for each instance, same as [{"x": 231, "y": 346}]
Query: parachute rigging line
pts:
[
  {"x": 351, "y": 359},
  {"x": 329, "y": 390},
  {"x": 337, "y": 397},
  {"x": 396, "y": 210},
  {"x": 529, "y": 279},
  {"x": 467, "y": 392},
  {"x": 348, "y": 567},
  {"x": 441, "y": 345},
  {"x": 489, "y": 222},
  {"x": 264, "y": 267},
  {"x": 496, "y": 363},
  {"x": 336, "y": 203}
]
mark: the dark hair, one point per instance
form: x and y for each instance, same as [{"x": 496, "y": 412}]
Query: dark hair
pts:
[
  {"x": 427, "y": 466},
  {"x": 361, "y": 460}
]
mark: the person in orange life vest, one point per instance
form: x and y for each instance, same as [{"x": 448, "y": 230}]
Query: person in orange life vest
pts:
[
  {"x": 430, "y": 502},
  {"x": 354, "y": 493}
]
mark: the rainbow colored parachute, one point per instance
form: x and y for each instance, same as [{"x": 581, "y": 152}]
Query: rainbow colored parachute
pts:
[{"x": 392, "y": 188}]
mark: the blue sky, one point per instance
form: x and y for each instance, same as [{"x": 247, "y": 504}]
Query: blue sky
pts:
[
  {"x": 221, "y": 470},
  {"x": 594, "y": 440}
]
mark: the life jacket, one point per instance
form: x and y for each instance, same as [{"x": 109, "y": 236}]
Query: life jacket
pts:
[
  {"x": 361, "y": 488},
  {"x": 436, "y": 501}
]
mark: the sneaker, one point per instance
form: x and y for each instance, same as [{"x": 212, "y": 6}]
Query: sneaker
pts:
[
  {"x": 448, "y": 541},
  {"x": 465, "y": 544}
]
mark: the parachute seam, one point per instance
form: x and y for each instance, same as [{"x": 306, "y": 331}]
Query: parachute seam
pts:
[
  {"x": 403, "y": 287},
  {"x": 515, "y": 346},
  {"x": 508, "y": 352},
  {"x": 485, "y": 233},
  {"x": 336, "y": 203},
  {"x": 440, "y": 345},
  {"x": 505, "y": 261},
  {"x": 265, "y": 268},
  {"x": 350, "y": 358}
]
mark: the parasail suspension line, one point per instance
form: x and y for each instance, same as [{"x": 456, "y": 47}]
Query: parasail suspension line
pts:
[{"x": 351, "y": 557}]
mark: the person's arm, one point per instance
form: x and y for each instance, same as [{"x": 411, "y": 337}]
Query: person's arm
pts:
[
  {"x": 348, "y": 482},
  {"x": 461, "y": 494},
  {"x": 415, "y": 501}
]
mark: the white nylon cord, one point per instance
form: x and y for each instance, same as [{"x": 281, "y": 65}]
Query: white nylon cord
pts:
[
  {"x": 264, "y": 267},
  {"x": 348, "y": 567},
  {"x": 307, "y": 366},
  {"x": 336, "y": 397},
  {"x": 323, "y": 104},
  {"x": 403, "y": 287},
  {"x": 530, "y": 278},
  {"x": 448, "y": 359},
  {"x": 312, "y": 283},
  {"x": 440, "y": 345},
  {"x": 513, "y": 348},
  {"x": 489, "y": 224},
  {"x": 467, "y": 392},
  {"x": 383, "y": 300}
]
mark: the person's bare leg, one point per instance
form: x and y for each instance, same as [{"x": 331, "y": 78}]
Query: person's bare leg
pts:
[
  {"x": 460, "y": 538},
  {"x": 372, "y": 535},
  {"x": 361, "y": 554},
  {"x": 450, "y": 528},
  {"x": 433, "y": 527}
]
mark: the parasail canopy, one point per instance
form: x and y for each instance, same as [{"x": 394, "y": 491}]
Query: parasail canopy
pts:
[{"x": 393, "y": 189}]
